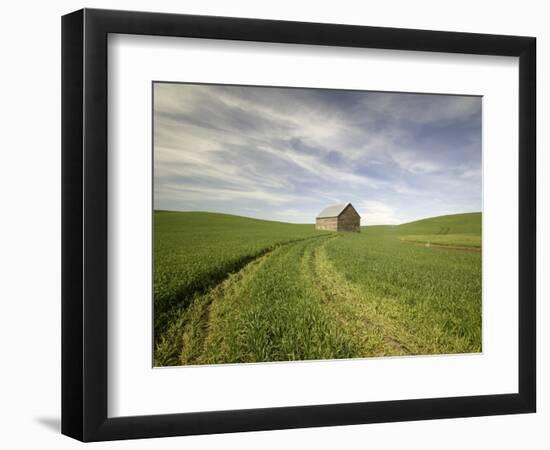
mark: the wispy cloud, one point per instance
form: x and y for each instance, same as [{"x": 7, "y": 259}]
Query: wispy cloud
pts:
[{"x": 284, "y": 154}]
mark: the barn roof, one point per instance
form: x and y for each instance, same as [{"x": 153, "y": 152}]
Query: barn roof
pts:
[{"x": 333, "y": 211}]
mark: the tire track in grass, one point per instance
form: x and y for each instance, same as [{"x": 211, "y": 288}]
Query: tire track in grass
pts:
[
  {"x": 167, "y": 308},
  {"x": 181, "y": 343},
  {"x": 273, "y": 314},
  {"x": 196, "y": 336},
  {"x": 289, "y": 304},
  {"x": 196, "y": 345},
  {"x": 356, "y": 311}
]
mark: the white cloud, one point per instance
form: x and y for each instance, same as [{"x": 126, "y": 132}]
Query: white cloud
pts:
[
  {"x": 424, "y": 109},
  {"x": 373, "y": 212},
  {"x": 193, "y": 193},
  {"x": 294, "y": 215},
  {"x": 320, "y": 169},
  {"x": 271, "y": 152},
  {"x": 471, "y": 173},
  {"x": 411, "y": 162}
]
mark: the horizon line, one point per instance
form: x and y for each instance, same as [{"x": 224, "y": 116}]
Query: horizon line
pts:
[{"x": 312, "y": 223}]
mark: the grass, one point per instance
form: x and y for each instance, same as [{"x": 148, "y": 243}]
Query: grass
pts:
[
  {"x": 457, "y": 230},
  {"x": 230, "y": 289},
  {"x": 194, "y": 251},
  {"x": 433, "y": 295},
  {"x": 464, "y": 241}
]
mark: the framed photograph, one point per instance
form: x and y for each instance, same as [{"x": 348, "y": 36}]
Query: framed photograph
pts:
[{"x": 272, "y": 224}]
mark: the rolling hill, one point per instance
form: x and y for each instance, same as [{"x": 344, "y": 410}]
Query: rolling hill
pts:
[
  {"x": 457, "y": 230},
  {"x": 232, "y": 289}
]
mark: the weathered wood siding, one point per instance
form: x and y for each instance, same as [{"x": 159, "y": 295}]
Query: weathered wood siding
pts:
[
  {"x": 328, "y": 224},
  {"x": 349, "y": 220}
]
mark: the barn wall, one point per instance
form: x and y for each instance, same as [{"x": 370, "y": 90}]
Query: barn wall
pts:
[
  {"x": 349, "y": 220},
  {"x": 329, "y": 224}
]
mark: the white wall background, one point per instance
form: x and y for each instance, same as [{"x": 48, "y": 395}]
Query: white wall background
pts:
[{"x": 30, "y": 226}]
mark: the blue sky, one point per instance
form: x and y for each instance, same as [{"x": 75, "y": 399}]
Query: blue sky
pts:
[{"x": 285, "y": 154}]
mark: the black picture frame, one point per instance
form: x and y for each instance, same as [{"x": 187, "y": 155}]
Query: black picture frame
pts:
[{"x": 84, "y": 224}]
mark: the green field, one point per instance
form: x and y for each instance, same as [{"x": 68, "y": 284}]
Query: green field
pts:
[{"x": 230, "y": 289}]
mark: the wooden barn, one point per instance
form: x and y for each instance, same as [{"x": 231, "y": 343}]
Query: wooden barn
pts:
[{"x": 342, "y": 217}]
